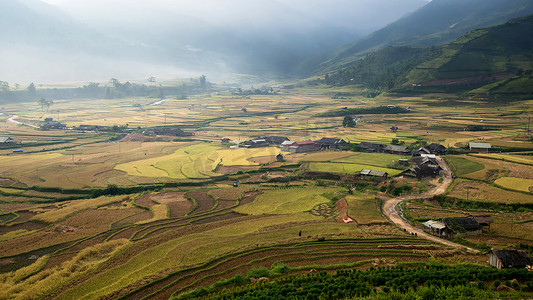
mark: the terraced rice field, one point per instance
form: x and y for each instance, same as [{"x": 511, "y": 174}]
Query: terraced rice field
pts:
[
  {"x": 518, "y": 184},
  {"x": 478, "y": 191},
  {"x": 286, "y": 201}
]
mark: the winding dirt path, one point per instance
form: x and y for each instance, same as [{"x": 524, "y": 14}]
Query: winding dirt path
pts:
[
  {"x": 391, "y": 211},
  {"x": 15, "y": 122}
]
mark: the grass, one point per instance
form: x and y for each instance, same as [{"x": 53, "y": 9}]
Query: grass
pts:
[
  {"x": 372, "y": 159},
  {"x": 347, "y": 168},
  {"x": 286, "y": 201},
  {"x": 363, "y": 209},
  {"x": 462, "y": 166},
  {"x": 518, "y": 184}
]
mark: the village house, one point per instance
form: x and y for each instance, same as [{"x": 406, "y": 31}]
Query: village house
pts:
[
  {"x": 274, "y": 140},
  {"x": 461, "y": 226},
  {"x": 5, "y": 140},
  {"x": 370, "y": 174},
  {"x": 285, "y": 145},
  {"x": 420, "y": 151},
  {"x": 49, "y": 123},
  {"x": 225, "y": 140},
  {"x": 255, "y": 143},
  {"x": 504, "y": 259},
  {"x": 280, "y": 157},
  {"x": 397, "y": 149},
  {"x": 436, "y": 149},
  {"x": 332, "y": 143},
  {"x": 303, "y": 146},
  {"x": 371, "y": 147},
  {"x": 479, "y": 147}
]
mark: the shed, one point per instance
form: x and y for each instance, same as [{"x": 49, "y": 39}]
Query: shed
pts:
[
  {"x": 280, "y": 157},
  {"x": 5, "y": 140},
  {"x": 435, "y": 226},
  {"x": 224, "y": 140},
  {"x": 396, "y": 149},
  {"x": 483, "y": 220},
  {"x": 365, "y": 173},
  {"x": 371, "y": 147},
  {"x": 436, "y": 148},
  {"x": 479, "y": 147},
  {"x": 331, "y": 143},
  {"x": 503, "y": 259}
]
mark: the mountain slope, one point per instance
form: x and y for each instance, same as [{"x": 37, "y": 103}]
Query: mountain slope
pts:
[
  {"x": 439, "y": 22},
  {"x": 478, "y": 57}
]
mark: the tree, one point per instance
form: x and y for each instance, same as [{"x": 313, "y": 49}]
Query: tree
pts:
[
  {"x": 42, "y": 102},
  {"x": 151, "y": 79},
  {"x": 48, "y": 104},
  {"x": 31, "y": 89},
  {"x": 203, "y": 82},
  {"x": 348, "y": 122}
]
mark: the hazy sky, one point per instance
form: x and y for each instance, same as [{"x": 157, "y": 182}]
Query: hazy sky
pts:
[{"x": 367, "y": 15}]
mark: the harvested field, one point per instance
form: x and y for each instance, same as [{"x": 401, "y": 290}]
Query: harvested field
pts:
[
  {"x": 178, "y": 205},
  {"x": 136, "y": 215},
  {"x": 231, "y": 193},
  {"x": 24, "y": 216},
  {"x": 21, "y": 227},
  {"x": 6, "y": 182},
  {"x": 204, "y": 201}
]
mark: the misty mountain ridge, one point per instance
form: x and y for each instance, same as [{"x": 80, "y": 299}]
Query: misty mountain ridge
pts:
[{"x": 437, "y": 23}]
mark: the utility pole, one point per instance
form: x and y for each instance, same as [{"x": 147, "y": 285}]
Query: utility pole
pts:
[{"x": 165, "y": 118}]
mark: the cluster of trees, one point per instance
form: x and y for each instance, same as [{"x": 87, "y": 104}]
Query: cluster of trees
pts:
[
  {"x": 420, "y": 281},
  {"x": 115, "y": 89}
]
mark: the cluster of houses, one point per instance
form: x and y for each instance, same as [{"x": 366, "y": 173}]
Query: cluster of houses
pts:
[
  {"x": 169, "y": 131},
  {"x": 49, "y": 124},
  {"x": 459, "y": 226},
  {"x": 290, "y": 146},
  {"x": 424, "y": 160}
]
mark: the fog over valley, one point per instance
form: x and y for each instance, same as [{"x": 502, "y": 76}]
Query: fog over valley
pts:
[{"x": 59, "y": 40}]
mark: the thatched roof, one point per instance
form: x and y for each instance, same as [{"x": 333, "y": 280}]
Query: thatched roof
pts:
[{"x": 483, "y": 220}]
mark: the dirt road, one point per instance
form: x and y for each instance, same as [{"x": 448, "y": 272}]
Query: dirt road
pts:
[
  {"x": 392, "y": 212},
  {"x": 13, "y": 121}
]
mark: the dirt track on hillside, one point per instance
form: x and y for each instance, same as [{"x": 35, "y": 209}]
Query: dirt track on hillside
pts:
[{"x": 390, "y": 207}]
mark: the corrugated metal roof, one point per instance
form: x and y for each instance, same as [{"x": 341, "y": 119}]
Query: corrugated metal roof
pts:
[
  {"x": 479, "y": 145},
  {"x": 434, "y": 224},
  {"x": 372, "y": 173}
]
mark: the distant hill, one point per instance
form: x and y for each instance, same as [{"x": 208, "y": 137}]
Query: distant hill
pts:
[
  {"x": 437, "y": 23},
  {"x": 477, "y": 58}
]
